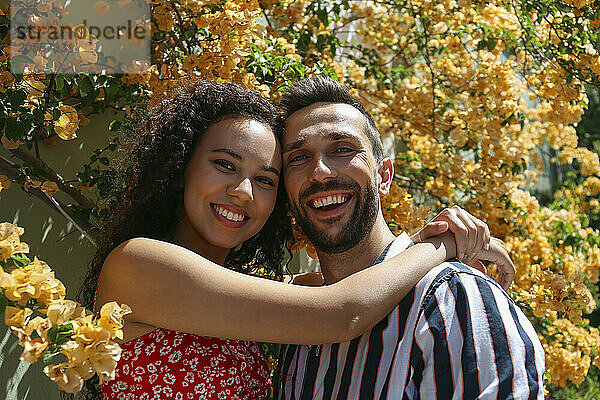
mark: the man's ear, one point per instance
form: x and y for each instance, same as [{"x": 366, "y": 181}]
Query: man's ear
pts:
[{"x": 385, "y": 175}]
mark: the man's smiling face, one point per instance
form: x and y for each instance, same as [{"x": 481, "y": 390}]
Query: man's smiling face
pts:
[{"x": 330, "y": 175}]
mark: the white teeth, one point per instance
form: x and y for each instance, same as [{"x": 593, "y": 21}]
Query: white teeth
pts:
[
  {"x": 230, "y": 215},
  {"x": 336, "y": 199}
]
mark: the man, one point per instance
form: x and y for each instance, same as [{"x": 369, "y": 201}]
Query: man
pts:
[{"x": 456, "y": 335}]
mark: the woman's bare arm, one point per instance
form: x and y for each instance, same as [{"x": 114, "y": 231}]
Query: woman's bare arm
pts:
[{"x": 171, "y": 287}]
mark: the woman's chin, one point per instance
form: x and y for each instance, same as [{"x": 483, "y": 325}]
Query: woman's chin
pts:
[{"x": 228, "y": 241}]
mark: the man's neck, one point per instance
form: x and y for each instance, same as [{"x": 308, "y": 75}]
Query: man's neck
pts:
[{"x": 337, "y": 266}]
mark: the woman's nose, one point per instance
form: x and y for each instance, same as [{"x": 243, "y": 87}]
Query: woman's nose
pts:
[{"x": 242, "y": 190}]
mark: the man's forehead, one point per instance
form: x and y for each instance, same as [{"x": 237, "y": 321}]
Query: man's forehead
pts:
[{"x": 323, "y": 119}]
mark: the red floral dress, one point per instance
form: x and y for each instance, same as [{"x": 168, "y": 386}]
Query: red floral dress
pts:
[{"x": 165, "y": 364}]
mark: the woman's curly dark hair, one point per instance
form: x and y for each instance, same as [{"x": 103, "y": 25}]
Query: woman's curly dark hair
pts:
[{"x": 147, "y": 198}]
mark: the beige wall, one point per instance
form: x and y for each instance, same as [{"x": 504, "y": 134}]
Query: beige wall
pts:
[{"x": 50, "y": 238}]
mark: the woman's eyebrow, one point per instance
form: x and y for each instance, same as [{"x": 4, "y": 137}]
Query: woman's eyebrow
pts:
[
  {"x": 238, "y": 156},
  {"x": 270, "y": 169},
  {"x": 230, "y": 152}
]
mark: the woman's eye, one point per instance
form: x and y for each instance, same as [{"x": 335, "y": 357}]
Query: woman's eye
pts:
[
  {"x": 225, "y": 164},
  {"x": 265, "y": 180}
]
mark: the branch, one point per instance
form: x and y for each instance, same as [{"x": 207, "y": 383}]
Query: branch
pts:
[
  {"x": 181, "y": 29},
  {"x": 85, "y": 228},
  {"x": 52, "y": 175}
]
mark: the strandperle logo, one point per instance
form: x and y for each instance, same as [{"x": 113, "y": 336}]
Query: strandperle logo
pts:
[
  {"x": 128, "y": 31},
  {"x": 82, "y": 36}
]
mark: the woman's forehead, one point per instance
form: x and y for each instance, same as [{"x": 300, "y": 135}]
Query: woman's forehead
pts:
[{"x": 251, "y": 139}]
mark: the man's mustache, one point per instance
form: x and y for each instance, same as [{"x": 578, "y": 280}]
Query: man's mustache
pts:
[{"x": 327, "y": 186}]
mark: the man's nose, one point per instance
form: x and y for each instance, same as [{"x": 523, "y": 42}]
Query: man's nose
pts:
[
  {"x": 322, "y": 171},
  {"x": 241, "y": 190}
]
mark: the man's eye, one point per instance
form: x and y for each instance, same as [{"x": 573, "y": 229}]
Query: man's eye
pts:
[
  {"x": 225, "y": 164},
  {"x": 344, "y": 150},
  {"x": 299, "y": 157}
]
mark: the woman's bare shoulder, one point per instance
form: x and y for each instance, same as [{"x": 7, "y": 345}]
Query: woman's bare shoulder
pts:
[
  {"x": 139, "y": 252},
  {"x": 142, "y": 248}
]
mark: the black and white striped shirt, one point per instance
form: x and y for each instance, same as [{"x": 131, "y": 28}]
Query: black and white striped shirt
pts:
[{"x": 456, "y": 335}]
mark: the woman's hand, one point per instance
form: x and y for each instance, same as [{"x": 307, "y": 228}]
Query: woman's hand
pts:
[{"x": 473, "y": 241}]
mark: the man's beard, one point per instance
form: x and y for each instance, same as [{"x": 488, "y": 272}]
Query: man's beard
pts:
[{"x": 361, "y": 221}]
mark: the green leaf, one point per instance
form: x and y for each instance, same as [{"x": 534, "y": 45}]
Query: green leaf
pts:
[
  {"x": 20, "y": 60},
  {"x": 323, "y": 17},
  {"x": 50, "y": 352},
  {"x": 85, "y": 84},
  {"x": 114, "y": 125},
  {"x": 22, "y": 259},
  {"x": 61, "y": 334},
  {"x": 59, "y": 83},
  {"x": 16, "y": 98},
  {"x": 14, "y": 129}
]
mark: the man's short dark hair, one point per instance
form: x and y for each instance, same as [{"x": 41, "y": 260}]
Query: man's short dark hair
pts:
[{"x": 321, "y": 89}]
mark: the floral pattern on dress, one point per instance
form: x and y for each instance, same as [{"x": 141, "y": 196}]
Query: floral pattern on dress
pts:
[{"x": 165, "y": 364}]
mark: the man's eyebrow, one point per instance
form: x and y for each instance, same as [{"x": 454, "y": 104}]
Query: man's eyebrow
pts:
[
  {"x": 340, "y": 135},
  {"x": 330, "y": 136},
  {"x": 294, "y": 145},
  {"x": 232, "y": 153}
]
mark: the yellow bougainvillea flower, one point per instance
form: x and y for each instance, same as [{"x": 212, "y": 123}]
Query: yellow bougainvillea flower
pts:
[
  {"x": 67, "y": 124},
  {"x": 31, "y": 184},
  {"x": 67, "y": 379},
  {"x": 78, "y": 358},
  {"x": 301, "y": 240},
  {"x": 111, "y": 318},
  {"x": 6, "y": 80},
  {"x": 81, "y": 31},
  {"x": 44, "y": 5},
  {"x": 104, "y": 360},
  {"x": 60, "y": 312},
  {"x": 88, "y": 55},
  {"x": 5, "y": 183},
  {"x": 87, "y": 49},
  {"x": 102, "y": 8},
  {"x": 10, "y": 242},
  {"x": 34, "y": 87},
  {"x": 15, "y": 316},
  {"x": 33, "y": 349},
  {"x": 63, "y": 310},
  {"x": 34, "y": 281},
  {"x": 83, "y": 120},
  {"x": 88, "y": 334},
  {"x": 10, "y": 144},
  {"x": 49, "y": 187}
]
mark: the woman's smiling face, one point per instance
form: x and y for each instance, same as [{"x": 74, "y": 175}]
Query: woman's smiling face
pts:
[{"x": 230, "y": 183}]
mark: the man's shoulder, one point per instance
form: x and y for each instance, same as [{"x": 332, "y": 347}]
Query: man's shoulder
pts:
[{"x": 452, "y": 278}]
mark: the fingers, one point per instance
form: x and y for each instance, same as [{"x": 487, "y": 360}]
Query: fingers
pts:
[
  {"x": 433, "y": 228},
  {"x": 506, "y": 267},
  {"x": 457, "y": 227},
  {"x": 497, "y": 254}
]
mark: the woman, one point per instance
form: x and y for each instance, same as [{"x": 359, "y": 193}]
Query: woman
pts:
[{"x": 203, "y": 190}]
